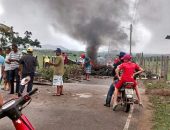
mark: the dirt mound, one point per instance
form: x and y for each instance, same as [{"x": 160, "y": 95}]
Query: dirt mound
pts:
[{"x": 160, "y": 92}]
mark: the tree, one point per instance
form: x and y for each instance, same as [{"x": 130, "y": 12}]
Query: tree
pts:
[{"x": 9, "y": 36}]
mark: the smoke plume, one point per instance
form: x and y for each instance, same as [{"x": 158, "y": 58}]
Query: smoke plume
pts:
[{"x": 95, "y": 22}]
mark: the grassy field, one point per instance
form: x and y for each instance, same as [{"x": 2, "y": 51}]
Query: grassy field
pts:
[
  {"x": 161, "y": 103},
  {"x": 73, "y": 55}
]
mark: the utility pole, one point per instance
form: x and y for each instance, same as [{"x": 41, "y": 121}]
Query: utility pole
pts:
[{"x": 131, "y": 29}]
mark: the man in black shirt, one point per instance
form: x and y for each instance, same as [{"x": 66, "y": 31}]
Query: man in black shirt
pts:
[
  {"x": 28, "y": 65},
  {"x": 115, "y": 79}
]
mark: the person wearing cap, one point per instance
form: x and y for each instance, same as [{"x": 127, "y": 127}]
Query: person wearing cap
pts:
[
  {"x": 28, "y": 65},
  {"x": 86, "y": 65},
  {"x": 117, "y": 62},
  {"x": 58, "y": 67},
  {"x": 129, "y": 71},
  {"x": 14, "y": 57}
]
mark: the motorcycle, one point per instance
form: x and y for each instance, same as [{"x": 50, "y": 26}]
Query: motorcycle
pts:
[
  {"x": 12, "y": 109},
  {"x": 125, "y": 96}
]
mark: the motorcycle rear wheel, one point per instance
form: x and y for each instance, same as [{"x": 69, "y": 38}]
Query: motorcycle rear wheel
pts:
[{"x": 127, "y": 108}]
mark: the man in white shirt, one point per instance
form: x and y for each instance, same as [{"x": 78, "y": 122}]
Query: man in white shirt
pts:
[{"x": 14, "y": 57}]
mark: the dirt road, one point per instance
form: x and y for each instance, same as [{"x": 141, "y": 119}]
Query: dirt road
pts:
[{"x": 81, "y": 108}]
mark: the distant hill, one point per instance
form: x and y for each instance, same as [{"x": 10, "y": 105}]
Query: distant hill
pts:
[{"x": 53, "y": 47}]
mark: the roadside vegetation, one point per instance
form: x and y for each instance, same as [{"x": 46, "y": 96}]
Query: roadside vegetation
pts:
[
  {"x": 72, "y": 71},
  {"x": 159, "y": 95}
]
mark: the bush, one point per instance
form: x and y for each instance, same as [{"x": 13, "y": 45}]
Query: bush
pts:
[
  {"x": 71, "y": 71},
  {"x": 46, "y": 73}
]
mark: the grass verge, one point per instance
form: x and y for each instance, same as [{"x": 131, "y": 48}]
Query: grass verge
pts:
[{"x": 161, "y": 104}]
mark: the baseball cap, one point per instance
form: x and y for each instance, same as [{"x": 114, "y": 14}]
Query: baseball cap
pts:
[
  {"x": 127, "y": 57},
  {"x": 30, "y": 49},
  {"x": 58, "y": 50},
  {"x": 121, "y": 54}
]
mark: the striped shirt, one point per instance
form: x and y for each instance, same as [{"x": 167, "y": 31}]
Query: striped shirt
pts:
[
  {"x": 14, "y": 56},
  {"x": 7, "y": 65}
]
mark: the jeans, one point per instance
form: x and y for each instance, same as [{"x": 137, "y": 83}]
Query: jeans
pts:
[
  {"x": 110, "y": 92},
  {"x": 14, "y": 75},
  {"x": 30, "y": 83}
]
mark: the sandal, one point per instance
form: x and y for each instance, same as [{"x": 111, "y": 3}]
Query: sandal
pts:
[
  {"x": 114, "y": 107},
  {"x": 56, "y": 94}
]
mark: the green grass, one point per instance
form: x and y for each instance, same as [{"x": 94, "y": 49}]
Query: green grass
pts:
[
  {"x": 161, "y": 112},
  {"x": 161, "y": 105},
  {"x": 156, "y": 84},
  {"x": 73, "y": 55}
]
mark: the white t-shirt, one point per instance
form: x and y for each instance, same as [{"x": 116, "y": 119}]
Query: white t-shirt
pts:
[{"x": 7, "y": 66}]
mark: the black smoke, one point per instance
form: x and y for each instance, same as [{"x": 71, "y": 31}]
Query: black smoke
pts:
[{"x": 94, "y": 22}]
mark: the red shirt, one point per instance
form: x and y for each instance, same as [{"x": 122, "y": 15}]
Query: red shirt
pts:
[{"x": 129, "y": 69}]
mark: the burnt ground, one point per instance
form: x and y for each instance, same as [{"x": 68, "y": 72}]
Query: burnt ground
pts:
[{"x": 80, "y": 108}]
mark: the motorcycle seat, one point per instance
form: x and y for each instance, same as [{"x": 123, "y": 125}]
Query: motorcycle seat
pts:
[{"x": 129, "y": 83}]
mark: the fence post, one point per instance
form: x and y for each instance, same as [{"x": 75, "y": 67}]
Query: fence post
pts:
[
  {"x": 162, "y": 64},
  {"x": 166, "y": 68},
  {"x": 143, "y": 63},
  {"x": 157, "y": 65},
  {"x": 43, "y": 61}
]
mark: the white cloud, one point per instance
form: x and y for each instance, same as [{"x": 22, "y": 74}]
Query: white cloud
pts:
[
  {"x": 66, "y": 41},
  {"x": 1, "y": 9},
  {"x": 142, "y": 37}
]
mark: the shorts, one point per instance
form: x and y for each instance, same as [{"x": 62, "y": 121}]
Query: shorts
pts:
[
  {"x": 122, "y": 81},
  {"x": 57, "y": 80},
  {"x": 88, "y": 70}
]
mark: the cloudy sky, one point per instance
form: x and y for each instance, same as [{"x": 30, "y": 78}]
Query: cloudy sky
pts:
[{"x": 74, "y": 23}]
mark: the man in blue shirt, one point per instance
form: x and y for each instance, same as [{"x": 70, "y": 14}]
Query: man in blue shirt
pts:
[{"x": 2, "y": 60}]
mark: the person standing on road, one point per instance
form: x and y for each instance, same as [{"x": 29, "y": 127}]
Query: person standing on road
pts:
[
  {"x": 2, "y": 60},
  {"x": 58, "y": 72},
  {"x": 28, "y": 65},
  {"x": 14, "y": 57},
  {"x": 86, "y": 66},
  {"x": 7, "y": 70}
]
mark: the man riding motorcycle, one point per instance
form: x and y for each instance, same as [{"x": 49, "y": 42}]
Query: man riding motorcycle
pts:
[
  {"x": 128, "y": 68},
  {"x": 117, "y": 62}
]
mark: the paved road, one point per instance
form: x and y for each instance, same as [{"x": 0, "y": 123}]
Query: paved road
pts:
[{"x": 81, "y": 108}]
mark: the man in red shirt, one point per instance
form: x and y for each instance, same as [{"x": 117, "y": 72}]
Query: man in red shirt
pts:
[{"x": 128, "y": 68}]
